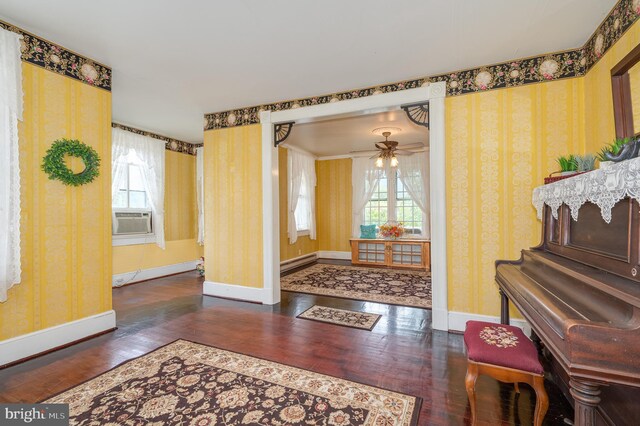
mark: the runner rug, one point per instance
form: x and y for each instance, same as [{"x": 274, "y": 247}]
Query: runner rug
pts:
[
  {"x": 392, "y": 286},
  {"x": 353, "y": 319},
  {"x": 186, "y": 383}
]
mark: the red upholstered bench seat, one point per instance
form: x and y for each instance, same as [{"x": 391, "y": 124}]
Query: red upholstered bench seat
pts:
[{"x": 501, "y": 345}]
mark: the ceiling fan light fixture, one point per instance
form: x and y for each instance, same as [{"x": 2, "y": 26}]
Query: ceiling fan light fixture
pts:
[
  {"x": 380, "y": 162},
  {"x": 394, "y": 161}
]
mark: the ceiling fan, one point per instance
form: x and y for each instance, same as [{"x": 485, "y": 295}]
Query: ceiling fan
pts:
[{"x": 387, "y": 149}]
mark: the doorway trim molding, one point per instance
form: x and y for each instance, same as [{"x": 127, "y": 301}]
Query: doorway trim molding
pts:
[{"x": 433, "y": 93}]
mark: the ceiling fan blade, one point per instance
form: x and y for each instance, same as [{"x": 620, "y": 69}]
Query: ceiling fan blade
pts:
[
  {"x": 374, "y": 156},
  {"x": 403, "y": 152},
  {"x": 364, "y": 151},
  {"x": 412, "y": 146},
  {"x": 381, "y": 145}
]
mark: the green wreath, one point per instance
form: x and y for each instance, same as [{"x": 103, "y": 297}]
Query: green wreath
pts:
[{"x": 53, "y": 163}]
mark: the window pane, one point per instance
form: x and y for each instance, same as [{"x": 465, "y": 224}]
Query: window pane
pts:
[
  {"x": 137, "y": 199},
  {"x": 303, "y": 208},
  {"x": 376, "y": 210},
  {"x": 135, "y": 179},
  {"x": 120, "y": 200},
  {"x": 407, "y": 211}
]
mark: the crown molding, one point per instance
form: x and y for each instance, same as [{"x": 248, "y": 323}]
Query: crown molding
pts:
[
  {"x": 519, "y": 72},
  {"x": 170, "y": 144},
  {"x": 55, "y": 58}
]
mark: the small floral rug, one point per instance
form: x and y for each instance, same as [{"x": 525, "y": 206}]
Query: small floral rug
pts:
[
  {"x": 361, "y": 320},
  {"x": 392, "y": 286},
  {"x": 185, "y": 383}
]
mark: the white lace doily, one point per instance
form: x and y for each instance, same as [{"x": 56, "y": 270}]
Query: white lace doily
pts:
[{"x": 603, "y": 187}]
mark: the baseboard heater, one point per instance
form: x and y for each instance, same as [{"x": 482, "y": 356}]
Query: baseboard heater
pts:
[{"x": 287, "y": 265}]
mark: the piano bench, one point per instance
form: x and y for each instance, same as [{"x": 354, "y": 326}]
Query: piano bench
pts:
[{"x": 506, "y": 354}]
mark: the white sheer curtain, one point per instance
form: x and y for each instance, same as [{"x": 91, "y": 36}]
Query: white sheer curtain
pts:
[
  {"x": 413, "y": 172},
  {"x": 149, "y": 154},
  {"x": 200, "y": 192},
  {"x": 301, "y": 170},
  {"x": 364, "y": 178},
  {"x": 10, "y": 113}
]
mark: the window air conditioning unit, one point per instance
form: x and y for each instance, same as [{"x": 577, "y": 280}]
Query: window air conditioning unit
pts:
[{"x": 128, "y": 223}]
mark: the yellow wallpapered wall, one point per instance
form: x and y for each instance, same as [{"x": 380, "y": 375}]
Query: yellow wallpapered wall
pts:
[
  {"x": 500, "y": 144},
  {"x": 599, "y": 123},
  {"x": 304, "y": 244},
  {"x": 180, "y": 222},
  {"x": 233, "y": 205},
  {"x": 334, "y": 204},
  {"x": 65, "y": 231},
  {"x": 146, "y": 256},
  {"x": 180, "y": 206}
]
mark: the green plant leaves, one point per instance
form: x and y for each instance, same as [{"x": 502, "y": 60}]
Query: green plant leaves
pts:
[
  {"x": 53, "y": 162},
  {"x": 567, "y": 164},
  {"x": 613, "y": 148}
]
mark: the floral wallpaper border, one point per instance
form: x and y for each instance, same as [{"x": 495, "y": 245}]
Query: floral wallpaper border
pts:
[
  {"x": 169, "y": 143},
  {"x": 55, "y": 58},
  {"x": 552, "y": 66}
]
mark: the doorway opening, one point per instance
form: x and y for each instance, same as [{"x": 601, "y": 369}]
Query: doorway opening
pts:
[{"x": 383, "y": 103}]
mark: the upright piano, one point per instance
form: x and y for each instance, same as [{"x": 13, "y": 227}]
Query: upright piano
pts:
[{"x": 580, "y": 292}]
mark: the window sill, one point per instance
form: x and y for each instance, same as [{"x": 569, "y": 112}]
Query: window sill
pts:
[
  {"x": 303, "y": 233},
  {"x": 132, "y": 240}
]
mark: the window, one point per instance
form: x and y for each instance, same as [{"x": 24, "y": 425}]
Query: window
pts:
[
  {"x": 131, "y": 194},
  {"x": 376, "y": 211},
  {"x": 407, "y": 211},
  {"x": 391, "y": 201},
  {"x": 137, "y": 179},
  {"x": 303, "y": 208}
]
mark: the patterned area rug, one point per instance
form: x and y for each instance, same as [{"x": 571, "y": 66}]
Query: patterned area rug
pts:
[
  {"x": 361, "y": 320},
  {"x": 393, "y": 286},
  {"x": 186, "y": 383}
]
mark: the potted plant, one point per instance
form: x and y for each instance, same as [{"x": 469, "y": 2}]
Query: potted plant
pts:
[
  {"x": 567, "y": 164},
  {"x": 618, "y": 150},
  {"x": 585, "y": 163},
  {"x": 571, "y": 165},
  {"x": 392, "y": 230},
  {"x": 200, "y": 267}
]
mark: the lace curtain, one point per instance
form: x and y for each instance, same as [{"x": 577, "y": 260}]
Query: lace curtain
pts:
[
  {"x": 10, "y": 113},
  {"x": 300, "y": 164},
  {"x": 364, "y": 178},
  {"x": 413, "y": 172},
  {"x": 148, "y": 153},
  {"x": 200, "y": 192}
]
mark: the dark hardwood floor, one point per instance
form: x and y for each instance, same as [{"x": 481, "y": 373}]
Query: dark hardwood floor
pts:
[{"x": 402, "y": 353}]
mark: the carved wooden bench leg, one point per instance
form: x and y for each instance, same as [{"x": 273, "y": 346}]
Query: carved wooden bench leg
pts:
[
  {"x": 542, "y": 400},
  {"x": 470, "y": 383}
]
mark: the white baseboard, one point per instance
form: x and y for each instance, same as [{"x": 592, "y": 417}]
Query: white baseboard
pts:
[
  {"x": 249, "y": 294},
  {"x": 344, "y": 255},
  {"x": 27, "y": 345},
  {"x": 289, "y": 264},
  {"x": 458, "y": 321},
  {"x": 148, "y": 274}
]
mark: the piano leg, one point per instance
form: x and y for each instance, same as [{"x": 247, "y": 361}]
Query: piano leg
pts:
[
  {"x": 587, "y": 397},
  {"x": 504, "y": 308}
]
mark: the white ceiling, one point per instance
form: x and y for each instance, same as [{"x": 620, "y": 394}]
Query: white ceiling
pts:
[
  {"x": 173, "y": 61},
  {"x": 341, "y": 136}
]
